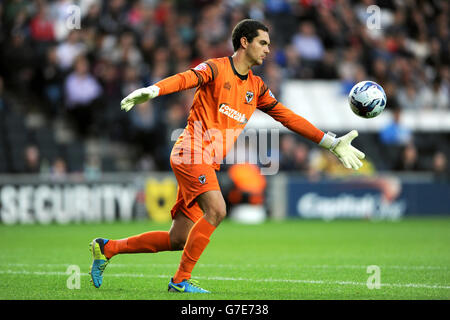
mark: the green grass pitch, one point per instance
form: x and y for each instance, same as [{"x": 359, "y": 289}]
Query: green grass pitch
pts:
[{"x": 289, "y": 260}]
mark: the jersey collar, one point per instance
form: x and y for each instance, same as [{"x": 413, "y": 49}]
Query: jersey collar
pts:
[{"x": 242, "y": 77}]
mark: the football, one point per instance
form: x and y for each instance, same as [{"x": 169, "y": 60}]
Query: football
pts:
[{"x": 367, "y": 99}]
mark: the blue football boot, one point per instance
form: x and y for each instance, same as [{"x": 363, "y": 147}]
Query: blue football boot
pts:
[
  {"x": 99, "y": 262},
  {"x": 186, "y": 286}
]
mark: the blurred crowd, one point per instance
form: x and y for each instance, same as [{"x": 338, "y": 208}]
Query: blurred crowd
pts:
[{"x": 75, "y": 60}]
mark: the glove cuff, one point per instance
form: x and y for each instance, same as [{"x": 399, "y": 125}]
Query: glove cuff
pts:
[
  {"x": 154, "y": 91},
  {"x": 329, "y": 141}
]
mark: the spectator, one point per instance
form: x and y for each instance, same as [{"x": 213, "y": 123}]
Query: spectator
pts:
[
  {"x": 21, "y": 22},
  {"x": 348, "y": 69},
  {"x": 41, "y": 26},
  {"x": 82, "y": 91},
  {"x": 287, "y": 156},
  {"x": 380, "y": 71},
  {"x": 126, "y": 51},
  {"x": 32, "y": 159},
  {"x": 19, "y": 69},
  {"x": 326, "y": 69},
  {"x": 437, "y": 56},
  {"x": 113, "y": 118},
  {"x": 294, "y": 68},
  {"x": 92, "y": 16},
  {"x": 273, "y": 78},
  {"x": 136, "y": 14},
  {"x": 436, "y": 97},
  {"x": 395, "y": 133},
  {"x": 113, "y": 20},
  {"x": 61, "y": 11},
  {"x": 68, "y": 50},
  {"x": 131, "y": 80},
  {"x": 408, "y": 98},
  {"x": 175, "y": 119},
  {"x": 301, "y": 157},
  {"x": 92, "y": 167},
  {"x": 144, "y": 127},
  {"x": 52, "y": 79},
  {"x": 408, "y": 160},
  {"x": 440, "y": 168},
  {"x": 13, "y": 9},
  {"x": 308, "y": 44},
  {"x": 58, "y": 170}
]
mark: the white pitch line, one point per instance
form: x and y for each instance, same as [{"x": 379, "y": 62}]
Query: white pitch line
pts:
[
  {"x": 321, "y": 282},
  {"x": 233, "y": 266}
]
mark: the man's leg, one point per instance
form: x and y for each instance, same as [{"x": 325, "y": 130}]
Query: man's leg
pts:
[
  {"x": 153, "y": 241},
  {"x": 214, "y": 209},
  {"x": 147, "y": 242},
  {"x": 179, "y": 231}
]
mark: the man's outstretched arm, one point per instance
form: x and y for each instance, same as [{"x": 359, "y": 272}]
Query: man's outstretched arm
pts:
[
  {"x": 341, "y": 147},
  {"x": 202, "y": 74},
  {"x": 181, "y": 81}
]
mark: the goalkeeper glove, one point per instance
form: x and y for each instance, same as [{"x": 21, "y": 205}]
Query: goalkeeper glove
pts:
[
  {"x": 342, "y": 148},
  {"x": 139, "y": 96}
]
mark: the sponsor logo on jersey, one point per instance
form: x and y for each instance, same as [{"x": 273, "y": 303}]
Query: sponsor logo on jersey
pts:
[
  {"x": 233, "y": 114},
  {"x": 201, "y": 67}
]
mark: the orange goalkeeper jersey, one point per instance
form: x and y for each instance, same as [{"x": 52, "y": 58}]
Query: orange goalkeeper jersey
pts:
[{"x": 223, "y": 103}]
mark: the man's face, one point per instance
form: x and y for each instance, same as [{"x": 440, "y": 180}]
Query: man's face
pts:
[{"x": 258, "y": 49}]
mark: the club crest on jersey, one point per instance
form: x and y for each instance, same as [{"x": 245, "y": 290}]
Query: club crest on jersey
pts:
[
  {"x": 249, "y": 96},
  {"x": 202, "y": 179}
]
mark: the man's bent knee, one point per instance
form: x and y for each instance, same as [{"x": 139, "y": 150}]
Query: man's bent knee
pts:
[
  {"x": 177, "y": 241},
  {"x": 179, "y": 231},
  {"x": 213, "y": 206},
  {"x": 215, "y": 215}
]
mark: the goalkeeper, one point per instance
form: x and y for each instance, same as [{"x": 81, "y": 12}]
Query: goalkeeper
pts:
[{"x": 227, "y": 93}]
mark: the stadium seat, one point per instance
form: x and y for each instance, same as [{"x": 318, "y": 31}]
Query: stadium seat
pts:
[{"x": 75, "y": 156}]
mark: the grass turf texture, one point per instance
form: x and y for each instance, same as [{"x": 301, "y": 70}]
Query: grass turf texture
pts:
[{"x": 290, "y": 260}]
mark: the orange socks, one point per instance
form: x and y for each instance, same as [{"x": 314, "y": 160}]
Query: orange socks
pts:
[
  {"x": 156, "y": 241},
  {"x": 196, "y": 243},
  {"x": 148, "y": 242}
]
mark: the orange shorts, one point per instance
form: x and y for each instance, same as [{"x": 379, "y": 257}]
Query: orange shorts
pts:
[{"x": 193, "y": 180}]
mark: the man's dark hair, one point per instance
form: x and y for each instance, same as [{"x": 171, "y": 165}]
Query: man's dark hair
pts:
[{"x": 247, "y": 28}]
